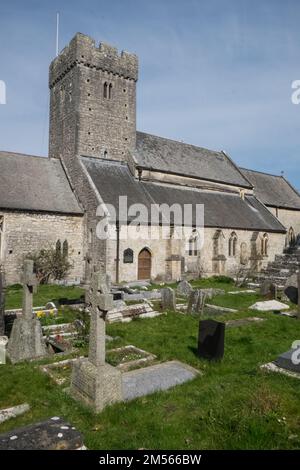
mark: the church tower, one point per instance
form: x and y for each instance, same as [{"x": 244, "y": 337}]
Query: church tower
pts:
[{"x": 92, "y": 101}]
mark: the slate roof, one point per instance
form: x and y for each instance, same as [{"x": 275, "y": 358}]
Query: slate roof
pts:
[
  {"x": 221, "y": 209},
  {"x": 160, "y": 154},
  {"x": 35, "y": 184},
  {"x": 273, "y": 190}
]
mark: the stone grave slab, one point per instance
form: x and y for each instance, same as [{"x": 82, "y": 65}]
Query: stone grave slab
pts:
[
  {"x": 13, "y": 412},
  {"x": 245, "y": 291},
  {"x": 272, "y": 367},
  {"x": 269, "y": 306},
  {"x": 284, "y": 361},
  {"x": 141, "y": 382},
  {"x": 211, "y": 339},
  {"x": 52, "y": 434},
  {"x": 243, "y": 322},
  {"x": 218, "y": 310}
]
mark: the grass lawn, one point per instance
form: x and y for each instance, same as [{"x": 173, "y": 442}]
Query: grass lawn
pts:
[
  {"x": 233, "y": 405},
  {"x": 45, "y": 293}
]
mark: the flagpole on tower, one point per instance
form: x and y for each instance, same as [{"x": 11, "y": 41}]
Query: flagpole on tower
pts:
[{"x": 57, "y": 32}]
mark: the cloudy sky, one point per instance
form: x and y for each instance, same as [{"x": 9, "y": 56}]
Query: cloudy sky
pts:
[{"x": 215, "y": 73}]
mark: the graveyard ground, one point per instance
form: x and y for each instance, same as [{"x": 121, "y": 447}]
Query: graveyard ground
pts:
[{"x": 232, "y": 405}]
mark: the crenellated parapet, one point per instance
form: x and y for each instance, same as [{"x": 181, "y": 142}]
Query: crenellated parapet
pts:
[{"x": 82, "y": 50}]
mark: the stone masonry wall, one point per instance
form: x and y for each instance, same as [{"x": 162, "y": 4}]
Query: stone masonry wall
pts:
[
  {"x": 289, "y": 218},
  {"x": 26, "y": 232},
  {"x": 160, "y": 251}
]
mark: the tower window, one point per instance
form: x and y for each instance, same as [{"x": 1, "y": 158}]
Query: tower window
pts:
[
  {"x": 105, "y": 153},
  {"x": 105, "y": 90},
  {"x": 110, "y": 91}
]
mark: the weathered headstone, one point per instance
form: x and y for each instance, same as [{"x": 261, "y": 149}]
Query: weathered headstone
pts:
[
  {"x": 2, "y": 303},
  {"x": 26, "y": 339},
  {"x": 168, "y": 299},
  {"x": 184, "y": 289},
  {"x": 265, "y": 288},
  {"x": 196, "y": 302},
  {"x": 273, "y": 291},
  {"x": 211, "y": 339},
  {"x": 94, "y": 382}
]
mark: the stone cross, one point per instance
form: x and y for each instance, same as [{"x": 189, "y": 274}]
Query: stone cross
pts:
[
  {"x": 29, "y": 282},
  {"x": 100, "y": 301}
]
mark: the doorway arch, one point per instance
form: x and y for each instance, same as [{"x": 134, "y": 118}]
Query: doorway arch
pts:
[{"x": 144, "y": 264}]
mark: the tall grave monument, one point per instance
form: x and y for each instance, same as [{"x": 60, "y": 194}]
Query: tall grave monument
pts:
[
  {"x": 26, "y": 340},
  {"x": 94, "y": 382}
]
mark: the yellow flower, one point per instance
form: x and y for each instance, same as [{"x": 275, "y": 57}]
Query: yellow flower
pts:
[{"x": 40, "y": 313}]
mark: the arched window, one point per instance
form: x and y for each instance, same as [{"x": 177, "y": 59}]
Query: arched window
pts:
[
  {"x": 291, "y": 236},
  {"x": 194, "y": 243},
  {"x": 232, "y": 244},
  {"x": 105, "y": 153},
  {"x": 105, "y": 90},
  {"x": 110, "y": 91},
  {"x": 58, "y": 247},
  {"x": 265, "y": 245},
  {"x": 65, "y": 249}
]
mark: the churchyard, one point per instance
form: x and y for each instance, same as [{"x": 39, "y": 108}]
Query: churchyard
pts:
[{"x": 229, "y": 404}]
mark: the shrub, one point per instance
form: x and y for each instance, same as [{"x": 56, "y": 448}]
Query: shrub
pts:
[{"x": 50, "y": 263}]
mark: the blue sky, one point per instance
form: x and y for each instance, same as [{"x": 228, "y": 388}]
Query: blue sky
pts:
[{"x": 215, "y": 73}]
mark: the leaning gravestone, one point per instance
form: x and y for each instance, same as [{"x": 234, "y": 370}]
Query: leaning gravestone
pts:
[
  {"x": 94, "y": 382},
  {"x": 26, "y": 339},
  {"x": 184, "y": 289},
  {"x": 2, "y": 303},
  {"x": 196, "y": 302},
  {"x": 168, "y": 299},
  {"x": 211, "y": 339}
]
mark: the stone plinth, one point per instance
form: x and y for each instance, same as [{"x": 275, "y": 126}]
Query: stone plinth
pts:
[
  {"x": 26, "y": 340},
  {"x": 96, "y": 386}
]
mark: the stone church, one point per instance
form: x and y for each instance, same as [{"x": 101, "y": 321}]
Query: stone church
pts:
[{"x": 96, "y": 155}]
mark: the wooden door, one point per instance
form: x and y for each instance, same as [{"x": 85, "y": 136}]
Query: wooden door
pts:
[{"x": 144, "y": 264}]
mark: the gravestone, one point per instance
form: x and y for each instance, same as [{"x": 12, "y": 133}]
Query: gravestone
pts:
[
  {"x": 292, "y": 288},
  {"x": 184, "y": 289},
  {"x": 211, "y": 339},
  {"x": 94, "y": 382},
  {"x": 273, "y": 291},
  {"x": 265, "y": 288},
  {"x": 196, "y": 302},
  {"x": 168, "y": 299},
  {"x": 2, "y": 303},
  {"x": 26, "y": 339}
]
